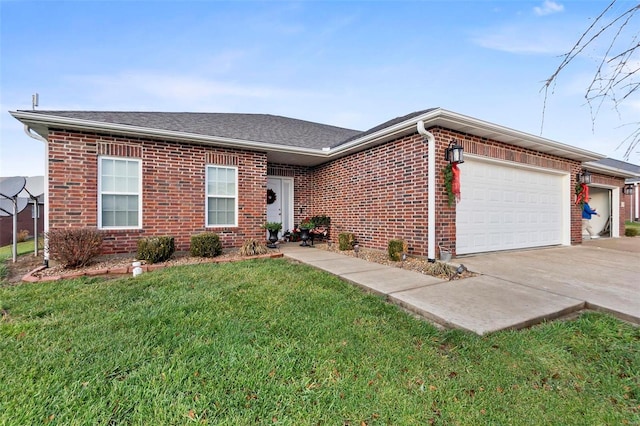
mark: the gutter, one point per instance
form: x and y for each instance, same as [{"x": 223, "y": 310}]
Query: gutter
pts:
[
  {"x": 37, "y": 137},
  {"x": 431, "y": 188}
]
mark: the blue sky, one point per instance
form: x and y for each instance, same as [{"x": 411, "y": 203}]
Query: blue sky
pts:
[{"x": 353, "y": 64}]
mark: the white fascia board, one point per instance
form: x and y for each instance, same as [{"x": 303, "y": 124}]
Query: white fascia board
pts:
[
  {"x": 569, "y": 150},
  {"x": 97, "y": 126},
  {"x": 611, "y": 171},
  {"x": 455, "y": 121}
]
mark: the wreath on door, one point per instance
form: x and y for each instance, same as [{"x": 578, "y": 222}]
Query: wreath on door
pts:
[{"x": 271, "y": 196}]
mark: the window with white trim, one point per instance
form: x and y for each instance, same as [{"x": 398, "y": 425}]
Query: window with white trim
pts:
[
  {"x": 222, "y": 196},
  {"x": 119, "y": 193}
]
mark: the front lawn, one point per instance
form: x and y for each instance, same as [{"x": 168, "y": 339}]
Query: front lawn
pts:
[{"x": 275, "y": 342}]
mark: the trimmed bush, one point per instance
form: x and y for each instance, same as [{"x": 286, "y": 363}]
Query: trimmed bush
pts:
[
  {"x": 206, "y": 245},
  {"x": 156, "y": 249},
  {"x": 74, "y": 247},
  {"x": 395, "y": 249},
  {"x": 346, "y": 240},
  {"x": 253, "y": 248},
  {"x": 631, "y": 232}
]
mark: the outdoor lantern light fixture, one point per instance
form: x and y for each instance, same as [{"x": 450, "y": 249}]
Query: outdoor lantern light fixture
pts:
[
  {"x": 459, "y": 270},
  {"x": 453, "y": 153},
  {"x": 628, "y": 189},
  {"x": 584, "y": 177}
]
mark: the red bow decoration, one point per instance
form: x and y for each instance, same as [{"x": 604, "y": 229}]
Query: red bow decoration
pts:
[
  {"x": 455, "y": 185},
  {"x": 583, "y": 195}
]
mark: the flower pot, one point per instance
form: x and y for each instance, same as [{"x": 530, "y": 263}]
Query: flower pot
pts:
[
  {"x": 304, "y": 236},
  {"x": 273, "y": 237}
]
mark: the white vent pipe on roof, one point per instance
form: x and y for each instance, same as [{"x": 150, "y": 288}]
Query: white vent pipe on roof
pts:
[{"x": 431, "y": 191}]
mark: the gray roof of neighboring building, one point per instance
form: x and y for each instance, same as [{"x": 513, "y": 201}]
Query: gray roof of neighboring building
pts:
[
  {"x": 623, "y": 165},
  {"x": 631, "y": 172},
  {"x": 265, "y": 128}
]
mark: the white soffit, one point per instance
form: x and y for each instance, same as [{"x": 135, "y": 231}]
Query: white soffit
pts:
[{"x": 611, "y": 171}]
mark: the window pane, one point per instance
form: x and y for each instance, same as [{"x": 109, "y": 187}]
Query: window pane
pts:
[
  {"x": 132, "y": 184},
  {"x": 107, "y": 167},
  {"x": 132, "y": 169},
  {"x": 119, "y": 183},
  {"x": 132, "y": 203},
  {"x": 108, "y": 219},
  {"x": 108, "y": 203},
  {"x": 120, "y": 168},
  {"x": 132, "y": 219}
]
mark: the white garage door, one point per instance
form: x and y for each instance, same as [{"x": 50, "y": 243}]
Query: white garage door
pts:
[{"x": 504, "y": 207}]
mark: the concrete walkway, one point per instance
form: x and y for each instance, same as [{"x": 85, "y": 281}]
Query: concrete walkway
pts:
[{"x": 514, "y": 289}]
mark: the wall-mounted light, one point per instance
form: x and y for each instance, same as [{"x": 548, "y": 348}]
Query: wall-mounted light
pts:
[
  {"x": 584, "y": 177},
  {"x": 453, "y": 153},
  {"x": 628, "y": 189}
]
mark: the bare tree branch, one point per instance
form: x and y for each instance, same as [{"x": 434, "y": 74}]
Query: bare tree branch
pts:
[{"x": 617, "y": 75}]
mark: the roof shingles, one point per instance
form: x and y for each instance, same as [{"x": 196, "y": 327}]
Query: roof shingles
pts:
[{"x": 264, "y": 128}]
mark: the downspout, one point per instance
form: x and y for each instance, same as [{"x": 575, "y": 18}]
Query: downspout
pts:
[
  {"x": 37, "y": 137},
  {"x": 431, "y": 196}
]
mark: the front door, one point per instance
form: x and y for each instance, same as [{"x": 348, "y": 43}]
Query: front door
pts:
[{"x": 280, "y": 202}]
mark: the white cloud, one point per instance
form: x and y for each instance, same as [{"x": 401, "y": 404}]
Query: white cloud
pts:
[
  {"x": 524, "y": 38},
  {"x": 548, "y": 8},
  {"x": 173, "y": 90}
]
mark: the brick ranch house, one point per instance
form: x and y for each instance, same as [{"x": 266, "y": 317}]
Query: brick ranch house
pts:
[{"x": 141, "y": 174}]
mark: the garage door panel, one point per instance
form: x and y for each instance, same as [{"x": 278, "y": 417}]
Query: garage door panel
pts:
[{"x": 504, "y": 207}]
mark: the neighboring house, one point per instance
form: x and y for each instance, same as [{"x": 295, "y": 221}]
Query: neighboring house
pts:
[
  {"x": 25, "y": 221},
  {"x": 630, "y": 203},
  {"x": 139, "y": 174}
]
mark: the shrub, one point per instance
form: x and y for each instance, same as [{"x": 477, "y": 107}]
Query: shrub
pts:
[
  {"x": 22, "y": 236},
  {"x": 74, "y": 247},
  {"x": 346, "y": 241},
  {"x": 253, "y": 248},
  {"x": 206, "y": 245},
  {"x": 631, "y": 232},
  {"x": 321, "y": 220},
  {"x": 395, "y": 249},
  {"x": 156, "y": 249}
]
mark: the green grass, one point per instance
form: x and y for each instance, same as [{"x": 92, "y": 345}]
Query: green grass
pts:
[
  {"x": 24, "y": 247},
  {"x": 273, "y": 342}
]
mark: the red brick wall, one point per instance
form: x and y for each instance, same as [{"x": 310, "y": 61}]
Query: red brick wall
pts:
[
  {"x": 173, "y": 194},
  {"x": 381, "y": 193},
  {"x": 378, "y": 194}
]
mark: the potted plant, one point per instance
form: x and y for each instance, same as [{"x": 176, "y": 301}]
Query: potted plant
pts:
[
  {"x": 305, "y": 226},
  {"x": 273, "y": 228}
]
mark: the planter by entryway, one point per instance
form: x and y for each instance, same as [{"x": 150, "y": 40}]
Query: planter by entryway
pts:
[
  {"x": 304, "y": 236},
  {"x": 273, "y": 237}
]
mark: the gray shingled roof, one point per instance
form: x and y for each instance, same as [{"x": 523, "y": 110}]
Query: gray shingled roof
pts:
[
  {"x": 622, "y": 165},
  {"x": 386, "y": 124},
  {"x": 263, "y": 128}
]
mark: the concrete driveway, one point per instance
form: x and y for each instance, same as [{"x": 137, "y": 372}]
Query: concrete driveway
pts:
[{"x": 602, "y": 274}]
